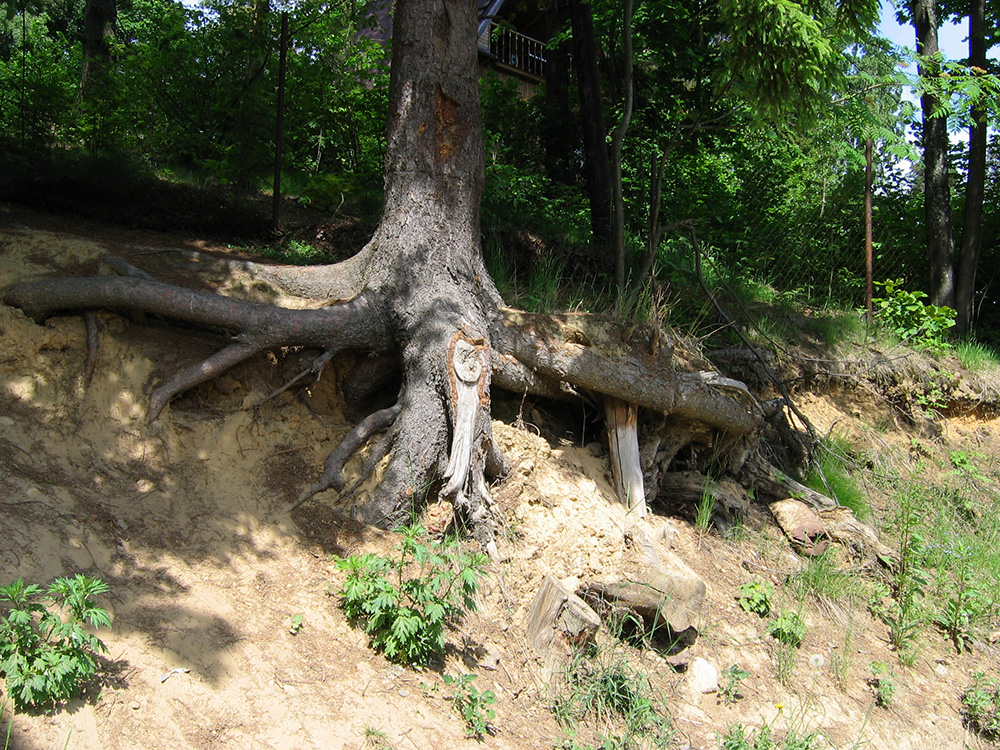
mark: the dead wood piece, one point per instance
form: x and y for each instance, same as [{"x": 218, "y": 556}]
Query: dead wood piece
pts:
[
  {"x": 760, "y": 474},
  {"x": 657, "y": 586},
  {"x": 802, "y": 525},
  {"x": 560, "y": 625},
  {"x": 621, "y": 419},
  {"x": 811, "y": 531},
  {"x": 687, "y": 488}
]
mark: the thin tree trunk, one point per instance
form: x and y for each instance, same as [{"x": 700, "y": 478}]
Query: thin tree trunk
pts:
[
  {"x": 869, "y": 244},
  {"x": 937, "y": 192},
  {"x": 617, "y": 144},
  {"x": 595, "y": 145},
  {"x": 558, "y": 146},
  {"x": 975, "y": 189}
]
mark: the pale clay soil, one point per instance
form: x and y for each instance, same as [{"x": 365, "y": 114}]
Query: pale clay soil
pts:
[{"x": 186, "y": 518}]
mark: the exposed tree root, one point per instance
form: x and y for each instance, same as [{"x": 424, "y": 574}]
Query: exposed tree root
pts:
[{"x": 333, "y": 475}]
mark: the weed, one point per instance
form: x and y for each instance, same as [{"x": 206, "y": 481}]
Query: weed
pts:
[
  {"x": 705, "y": 509},
  {"x": 905, "y": 613},
  {"x": 45, "y": 659},
  {"x": 820, "y": 578},
  {"x": 729, "y": 691},
  {"x": 473, "y": 705},
  {"x": 976, "y": 357},
  {"x": 405, "y": 601},
  {"x": 842, "y": 659},
  {"x": 298, "y": 622},
  {"x": 376, "y": 739},
  {"x": 981, "y": 706},
  {"x": 756, "y": 597},
  {"x": 881, "y": 682},
  {"x": 967, "y": 601},
  {"x": 787, "y": 628},
  {"x": 832, "y": 475},
  {"x": 618, "y": 699}
]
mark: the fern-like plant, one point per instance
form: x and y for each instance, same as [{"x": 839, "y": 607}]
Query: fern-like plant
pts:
[
  {"x": 404, "y": 601},
  {"x": 46, "y": 654}
]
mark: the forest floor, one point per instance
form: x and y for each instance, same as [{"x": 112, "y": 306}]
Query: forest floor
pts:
[{"x": 187, "y": 519}]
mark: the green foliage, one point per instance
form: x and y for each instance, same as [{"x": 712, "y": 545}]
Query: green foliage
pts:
[
  {"x": 981, "y": 706},
  {"x": 472, "y": 705},
  {"x": 881, "y": 682},
  {"x": 46, "y": 654},
  {"x": 729, "y": 690},
  {"x": 405, "y": 601},
  {"x": 787, "y": 628},
  {"x": 756, "y": 597},
  {"x": 911, "y": 319}
]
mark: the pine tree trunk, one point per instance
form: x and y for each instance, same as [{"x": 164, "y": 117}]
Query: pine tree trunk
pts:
[
  {"x": 937, "y": 192},
  {"x": 975, "y": 189}
]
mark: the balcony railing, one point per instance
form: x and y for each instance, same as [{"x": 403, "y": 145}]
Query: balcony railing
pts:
[{"x": 516, "y": 52}]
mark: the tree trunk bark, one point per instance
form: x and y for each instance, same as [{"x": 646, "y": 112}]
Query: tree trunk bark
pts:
[
  {"x": 419, "y": 293},
  {"x": 975, "y": 189},
  {"x": 99, "y": 17},
  {"x": 595, "y": 134},
  {"x": 937, "y": 192}
]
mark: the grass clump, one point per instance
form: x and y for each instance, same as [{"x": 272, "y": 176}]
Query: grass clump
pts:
[
  {"x": 46, "y": 653},
  {"x": 617, "y": 699},
  {"x": 405, "y": 601},
  {"x": 832, "y": 475}
]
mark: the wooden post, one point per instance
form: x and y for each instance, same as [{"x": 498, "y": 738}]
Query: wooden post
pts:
[{"x": 621, "y": 418}]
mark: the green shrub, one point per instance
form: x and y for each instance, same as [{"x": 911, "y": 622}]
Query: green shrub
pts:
[
  {"x": 405, "y": 601},
  {"x": 45, "y": 652},
  {"x": 910, "y": 318}
]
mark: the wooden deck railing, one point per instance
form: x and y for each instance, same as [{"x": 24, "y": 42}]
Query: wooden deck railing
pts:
[{"x": 516, "y": 52}]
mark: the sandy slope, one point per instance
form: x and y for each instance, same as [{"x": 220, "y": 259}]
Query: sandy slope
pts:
[{"x": 186, "y": 519}]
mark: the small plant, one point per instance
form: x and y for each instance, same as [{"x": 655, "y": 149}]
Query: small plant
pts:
[
  {"x": 405, "y": 601},
  {"x": 756, "y": 597},
  {"x": 473, "y": 705},
  {"x": 910, "y": 318},
  {"x": 787, "y": 628},
  {"x": 881, "y": 682},
  {"x": 729, "y": 691},
  {"x": 981, "y": 706},
  {"x": 298, "y": 622},
  {"x": 966, "y": 603},
  {"x": 376, "y": 739},
  {"x": 45, "y": 652},
  {"x": 738, "y": 738},
  {"x": 905, "y": 612},
  {"x": 705, "y": 509}
]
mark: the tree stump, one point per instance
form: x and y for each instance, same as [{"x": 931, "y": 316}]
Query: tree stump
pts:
[{"x": 560, "y": 625}]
